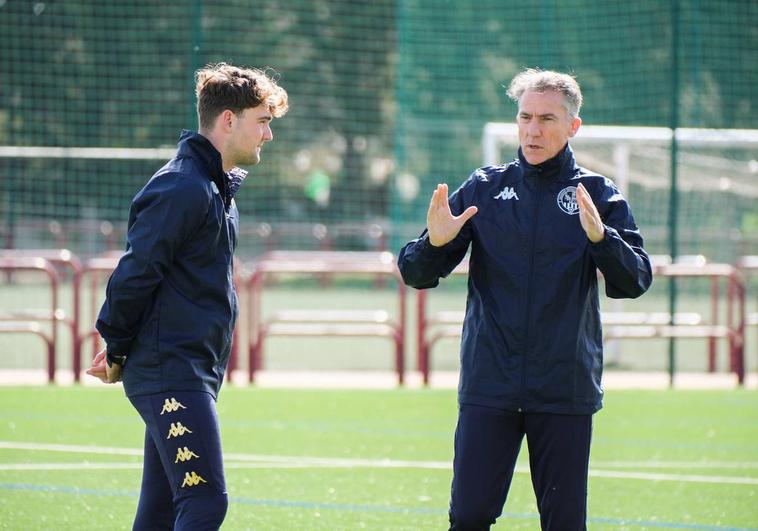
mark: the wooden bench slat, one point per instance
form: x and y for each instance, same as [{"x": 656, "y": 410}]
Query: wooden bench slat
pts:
[
  {"x": 25, "y": 326},
  {"x": 328, "y": 316},
  {"x": 328, "y": 329},
  {"x": 24, "y": 315},
  {"x": 700, "y": 331}
]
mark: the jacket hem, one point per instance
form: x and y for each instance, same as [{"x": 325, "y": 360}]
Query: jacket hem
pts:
[{"x": 511, "y": 405}]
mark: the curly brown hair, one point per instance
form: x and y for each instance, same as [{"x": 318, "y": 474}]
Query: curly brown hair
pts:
[{"x": 222, "y": 86}]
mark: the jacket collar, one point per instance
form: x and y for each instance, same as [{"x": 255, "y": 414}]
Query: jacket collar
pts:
[
  {"x": 551, "y": 168},
  {"x": 196, "y": 146}
]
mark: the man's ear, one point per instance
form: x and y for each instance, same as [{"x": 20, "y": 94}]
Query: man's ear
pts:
[
  {"x": 225, "y": 120},
  {"x": 575, "y": 126}
]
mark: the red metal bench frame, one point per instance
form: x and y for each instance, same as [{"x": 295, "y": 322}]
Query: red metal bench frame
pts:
[
  {"x": 12, "y": 264},
  {"x": 322, "y": 263},
  {"x": 749, "y": 267},
  {"x": 432, "y": 328}
]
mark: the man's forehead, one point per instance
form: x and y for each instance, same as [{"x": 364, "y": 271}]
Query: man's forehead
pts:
[
  {"x": 261, "y": 111},
  {"x": 546, "y": 102}
]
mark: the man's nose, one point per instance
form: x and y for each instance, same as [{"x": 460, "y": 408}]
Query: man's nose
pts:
[{"x": 533, "y": 128}]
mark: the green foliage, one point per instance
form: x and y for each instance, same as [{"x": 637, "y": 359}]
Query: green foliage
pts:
[{"x": 388, "y": 97}]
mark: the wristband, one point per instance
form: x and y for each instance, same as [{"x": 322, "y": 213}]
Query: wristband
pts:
[{"x": 112, "y": 357}]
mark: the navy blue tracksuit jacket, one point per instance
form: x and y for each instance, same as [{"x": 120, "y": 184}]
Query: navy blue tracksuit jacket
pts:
[
  {"x": 532, "y": 339},
  {"x": 170, "y": 303}
]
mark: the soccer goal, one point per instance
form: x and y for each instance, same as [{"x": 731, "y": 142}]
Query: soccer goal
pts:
[
  {"x": 717, "y": 176},
  {"x": 717, "y": 192}
]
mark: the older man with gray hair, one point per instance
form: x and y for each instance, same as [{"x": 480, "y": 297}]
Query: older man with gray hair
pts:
[{"x": 539, "y": 228}]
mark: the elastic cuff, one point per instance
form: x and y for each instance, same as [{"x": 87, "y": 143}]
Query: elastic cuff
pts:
[
  {"x": 432, "y": 249},
  {"x": 112, "y": 356}
]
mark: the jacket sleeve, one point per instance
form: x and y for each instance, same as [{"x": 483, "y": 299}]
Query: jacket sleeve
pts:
[
  {"x": 421, "y": 263},
  {"x": 167, "y": 211},
  {"x": 620, "y": 255}
]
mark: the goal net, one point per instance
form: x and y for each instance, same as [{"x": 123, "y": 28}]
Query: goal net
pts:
[{"x": 717, "y": 181}]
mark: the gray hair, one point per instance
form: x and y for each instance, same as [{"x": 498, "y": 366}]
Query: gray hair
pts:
[{"x": 544, "y": 80}]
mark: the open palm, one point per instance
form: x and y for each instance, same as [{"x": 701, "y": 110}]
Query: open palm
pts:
[
  {"x": 442, "y": 225},
  {"x": 589, "y": 216}
]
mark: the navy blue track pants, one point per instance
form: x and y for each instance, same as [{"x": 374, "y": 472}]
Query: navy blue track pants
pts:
[
  {"x": 183, "y": 486},
  {"x": 487, "y": 443}
]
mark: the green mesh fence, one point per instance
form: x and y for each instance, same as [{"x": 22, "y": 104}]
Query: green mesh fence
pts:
[
  {"x": 453, "y": 64},
  {"x": 387, "y": 98}
]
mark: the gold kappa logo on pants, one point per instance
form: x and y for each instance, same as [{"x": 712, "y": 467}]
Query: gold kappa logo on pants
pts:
[
  {"x": 169, "y": 406},
  {"x": 185, "y": 454},
  {"x": 190, "y": 480},
  {"x": 177, "y": 430}
]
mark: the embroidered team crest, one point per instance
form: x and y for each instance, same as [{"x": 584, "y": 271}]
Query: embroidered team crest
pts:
[{"x": 567, "y": 200}]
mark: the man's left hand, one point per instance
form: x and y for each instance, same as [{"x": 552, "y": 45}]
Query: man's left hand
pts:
[
  {"x": 589, "y": 217},
  {"x": 101, "y": 370}
]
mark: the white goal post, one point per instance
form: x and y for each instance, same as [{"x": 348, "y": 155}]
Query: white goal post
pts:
[{"x": 623, "y": 138}]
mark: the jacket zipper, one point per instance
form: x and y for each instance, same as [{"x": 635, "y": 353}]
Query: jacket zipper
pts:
[{"x": 529, "y": 282}]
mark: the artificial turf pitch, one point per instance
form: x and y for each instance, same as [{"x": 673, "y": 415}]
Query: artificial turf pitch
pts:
[{"x": 374, "y": 459}]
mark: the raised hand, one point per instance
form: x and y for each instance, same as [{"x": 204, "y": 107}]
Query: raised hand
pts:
[
  {"x": 589, "y": 216},
  {"x": 442, "y": 225}
]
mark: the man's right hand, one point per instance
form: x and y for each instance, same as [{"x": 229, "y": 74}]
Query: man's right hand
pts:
[
  {"x": 442, "y": 225},
  {"x": 101, "y": 370}
]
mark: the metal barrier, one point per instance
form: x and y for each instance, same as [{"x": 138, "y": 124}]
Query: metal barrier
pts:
[
  {"x": 92, "y": 268},
  {"x": 628, "y": 325},
  {"x": 733, "y": 330},
  {"x": 65, "y": 260},
  {"x": 749, "y": 267},
  {"x": 347, "y": 323},
  {"x": 28, "y": 321},
  {"x": 369, "y": 323}
]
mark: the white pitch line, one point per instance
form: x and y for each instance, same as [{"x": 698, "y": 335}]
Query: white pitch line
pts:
[
  {"x": 338, "y": 462},
  {"x": 300, "y": 464},
  {"x": 683, "y": 478},
  {"x": 69, "y": 448},
  {"x": 389, "y": 463},
  {"x": 238, "y": 461},
  {"x": 70, "y": 466},
  {"x": 737, "y": 465},
  {"x": 86, "y": 465}
]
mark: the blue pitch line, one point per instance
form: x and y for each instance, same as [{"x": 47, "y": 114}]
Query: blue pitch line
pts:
[
  {"x": 69, "y": 490},
  {"x": 350, "y": 507}
]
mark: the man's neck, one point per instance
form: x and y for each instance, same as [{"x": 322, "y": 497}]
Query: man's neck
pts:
[{"x": 217, "y": 143}]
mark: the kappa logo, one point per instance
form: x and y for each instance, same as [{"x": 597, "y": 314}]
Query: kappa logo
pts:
[
  {"x": 185, "y": 454},
  {"x": 169, "y": 406},
  {"x": 191, "y": 480},
  {"x": 567, "y": 200},
  {"x": 507, "y": 193},
  {"x": 177, "y": 430},
  {"x": 481, "y": 175}
]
